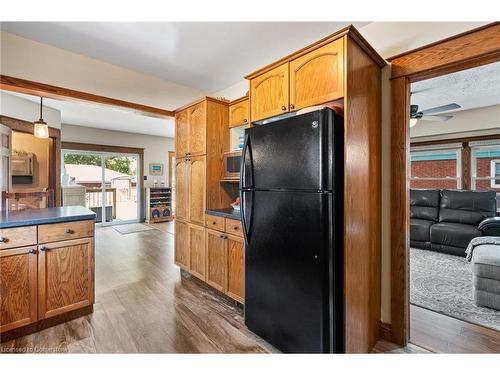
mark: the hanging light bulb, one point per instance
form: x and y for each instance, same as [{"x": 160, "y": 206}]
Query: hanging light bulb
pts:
[
  {"x": 413, "y": 122},
  {"x": 41, "y": 128}
]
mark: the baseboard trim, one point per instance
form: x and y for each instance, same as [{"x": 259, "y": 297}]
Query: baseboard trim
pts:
[{"x": 385, "y": 331}]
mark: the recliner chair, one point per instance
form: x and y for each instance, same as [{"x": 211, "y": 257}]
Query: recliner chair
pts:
[{"x": 446, "y": 220}]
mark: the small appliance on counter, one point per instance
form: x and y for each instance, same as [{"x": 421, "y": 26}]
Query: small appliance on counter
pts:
[
  {"x": 158, "y": 204},
  {"x": 236, "y": 204}
]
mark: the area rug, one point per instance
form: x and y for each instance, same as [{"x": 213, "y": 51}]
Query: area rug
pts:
[
  {"x": 132, "y": 228},
  {"x": 443, "y": 283}
]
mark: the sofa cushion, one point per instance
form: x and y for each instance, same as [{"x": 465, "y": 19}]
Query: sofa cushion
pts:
[
  {"x": 486, "y": 261},
  {"x": 424, "y": 204},
  {"x": 453, "y": 234},
  {"x": 466, "y": 207},
  {"x": 420, "y": 230}
]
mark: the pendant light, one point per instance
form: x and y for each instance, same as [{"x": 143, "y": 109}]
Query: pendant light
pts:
[{"x": 41, "y": 129}]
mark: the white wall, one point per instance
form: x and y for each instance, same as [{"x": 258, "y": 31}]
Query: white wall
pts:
[
  {"x": 25, "y": 58},
  {"x": 477, "y": 121},
  {"x": 22, "y": 109},
  {"x": 155, "y": 148}
]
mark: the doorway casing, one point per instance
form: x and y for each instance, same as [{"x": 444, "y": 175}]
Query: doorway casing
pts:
[{"x": 474, "y": 48}]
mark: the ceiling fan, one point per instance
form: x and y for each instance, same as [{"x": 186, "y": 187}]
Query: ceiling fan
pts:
[{"x": 429, "y": 114}]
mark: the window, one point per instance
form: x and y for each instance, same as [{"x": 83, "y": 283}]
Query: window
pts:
[
  {"x": 495, "y": 172},
  {"x": 436, "y": 168}
]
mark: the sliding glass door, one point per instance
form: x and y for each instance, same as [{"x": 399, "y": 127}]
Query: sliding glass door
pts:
[{"x": 108, "y": 181}]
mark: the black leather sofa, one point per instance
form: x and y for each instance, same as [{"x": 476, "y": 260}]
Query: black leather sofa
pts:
[{"x": 446, "y": 220}]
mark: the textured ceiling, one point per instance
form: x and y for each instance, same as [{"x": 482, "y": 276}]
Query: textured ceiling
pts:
[{"x": 471, "y": 88}]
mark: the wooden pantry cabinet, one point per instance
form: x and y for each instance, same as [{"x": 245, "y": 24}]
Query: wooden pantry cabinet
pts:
[{"x": 300, "y": 80}]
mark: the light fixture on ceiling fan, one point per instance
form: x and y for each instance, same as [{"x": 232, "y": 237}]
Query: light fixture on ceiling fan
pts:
[
  {"x": 41, "y": 129},
  {"x": 428, "y": 114}
]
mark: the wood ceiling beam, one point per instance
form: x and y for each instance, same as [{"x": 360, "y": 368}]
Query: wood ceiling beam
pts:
[{"x": 55, "y": 92}]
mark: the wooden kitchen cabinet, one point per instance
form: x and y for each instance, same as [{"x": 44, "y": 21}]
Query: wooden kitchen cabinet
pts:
[
  {"x": 197, "y": 129},
  {"x": 182, "y": 255},
  {"x": 182, "y": 189},
  {"x": 239, "y": 112},
  {"x": 18, "y": 286},
  {"x": 181, "y": 133},
  {"x": 65, "y": 276},
  {"x": 216, "y": 259},
  {"x": 197, "y": 189},
  {"x": 318, "y": 76},
  {"x": 197, "y": 251},
  {"x": 269, "y": 93},
  {"x": 235, "y": 268}
]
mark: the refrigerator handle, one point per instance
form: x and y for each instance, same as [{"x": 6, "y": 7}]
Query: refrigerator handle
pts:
[
  {"x": 246, "y": 224},
  {"x": 243, "y": 169}
]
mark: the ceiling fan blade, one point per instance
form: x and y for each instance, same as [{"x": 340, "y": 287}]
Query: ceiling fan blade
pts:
[
  {"x": 442, "y": 108},
  {"x": 436, "y": 118}
]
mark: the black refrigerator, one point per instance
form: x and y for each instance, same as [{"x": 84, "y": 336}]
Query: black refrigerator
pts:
[{"x": 291, "y": 191}]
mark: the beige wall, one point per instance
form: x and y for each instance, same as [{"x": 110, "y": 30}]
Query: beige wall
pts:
[
  {"x": 40, "y": 149},
  {"x": 155, "y": 148},
  {"x": 25, "y": 58}
]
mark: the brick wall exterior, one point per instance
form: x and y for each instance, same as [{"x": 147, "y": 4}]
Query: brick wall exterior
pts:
[
  {"x": 433, "y": 168},
  {"x": 483, "y": 169}
]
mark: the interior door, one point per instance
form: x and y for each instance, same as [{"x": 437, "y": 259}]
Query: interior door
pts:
[
  {"x": 182, "y": 188},
  {"x": 65, "y": 276},
  {"x": 269, "y": 93},
  {"x": 197, "y": 190}
]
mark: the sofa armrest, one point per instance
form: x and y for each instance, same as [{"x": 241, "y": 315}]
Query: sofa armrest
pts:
[{"x": 490, "y": 226}]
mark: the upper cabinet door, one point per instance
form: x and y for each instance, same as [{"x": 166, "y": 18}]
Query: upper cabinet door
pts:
[
  {"x": 197, "y": 190},
  {"x": 182, "y": 189},
  {"x": 317, "y": 77},
  {"x": 181, "y": 133},
  {"x": 197, "y": 129},
  {"x": 238, "y": 114},
  {"x": 269, "y": 93}
]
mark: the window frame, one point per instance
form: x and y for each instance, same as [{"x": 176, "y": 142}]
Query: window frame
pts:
[
  {"x": 439, "y": 149},
  {"x": 482, "y": 146},
  {"x": 493, "y": 167}
]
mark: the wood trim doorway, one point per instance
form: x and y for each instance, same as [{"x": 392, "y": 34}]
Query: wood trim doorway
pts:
[
  {"x": 118, "y": 150},
  {"x": 467, "y": 50},
  {"x": 27, "y": 127}
]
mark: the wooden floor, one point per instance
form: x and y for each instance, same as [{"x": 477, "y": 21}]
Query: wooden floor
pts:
[
  {"x": 143, "y": 305},
  {"x": 443, "y": 334}
]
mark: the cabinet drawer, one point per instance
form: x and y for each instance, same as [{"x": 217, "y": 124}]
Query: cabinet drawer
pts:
[
  {"x": 215, "y": 222},
  {"x": 234, "y": 227},
  {"x": 65, "y": 231},
  {"x": 16, "y": 237}
]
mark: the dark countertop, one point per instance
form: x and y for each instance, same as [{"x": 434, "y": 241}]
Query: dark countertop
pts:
[
  {"x": 11, "y": 219},
  {"x": 225, "y": 212}
]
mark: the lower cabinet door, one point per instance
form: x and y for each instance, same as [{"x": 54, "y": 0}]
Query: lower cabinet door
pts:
[
  {"x": 65, "y": 276},
  {"x": 197, "y": 249},
  {"x": 182, "y": 251},
  {"x": 235, "y": 268},
  {"x": 216, "y": 260},
  {"x": 18, "y": 287}
]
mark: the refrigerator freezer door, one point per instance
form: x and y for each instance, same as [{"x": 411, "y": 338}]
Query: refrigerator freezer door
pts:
[
  {"x": 290, "y": 154},
  {"x": 287, "y": 288}
]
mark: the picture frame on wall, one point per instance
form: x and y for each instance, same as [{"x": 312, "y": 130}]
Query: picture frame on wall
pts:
[{"x": 155, "y": 169}]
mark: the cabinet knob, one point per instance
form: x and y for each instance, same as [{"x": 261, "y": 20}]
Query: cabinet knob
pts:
[
  {"x": 292, "y": 106},
  {"x": 4, "y": 240},
  {"x": 32, "y": 251},
  {"x": 221, "y": 236},
  {"x": 245, "y": 120},
  {"x": 70, "y": 231},
  {"x": 283, "y": 107},
  {"x": 43, "y": 248},
  {"x": 214, "y": 222},
  {"x": 236, "y": 228}
]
